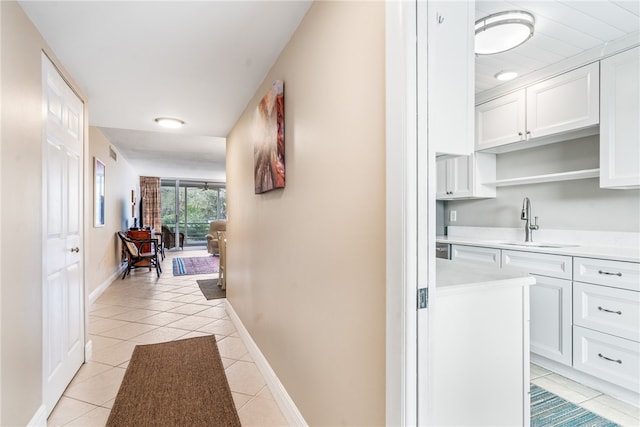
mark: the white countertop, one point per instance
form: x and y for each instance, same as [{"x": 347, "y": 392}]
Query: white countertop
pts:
[
  {"x": 456, "y": 275},
  {"x": 617, "y": 253}
]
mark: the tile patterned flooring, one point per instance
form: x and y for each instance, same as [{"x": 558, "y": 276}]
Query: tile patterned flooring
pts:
[
  {"x": 608, "y": 407},
  {"x": 143, "y": 310}
]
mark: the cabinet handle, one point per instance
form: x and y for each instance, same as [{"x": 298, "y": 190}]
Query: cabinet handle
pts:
[
  {"x": 439, "y": 18},
  {"x": 609, "y": 311},
  {"x": 528, "y": 135},
  {"x": 76, "y": 249},
  {"x": 608, "y": 273},
  {"x": 610, "y": 360},
  {"x": 520, "y": 135}
]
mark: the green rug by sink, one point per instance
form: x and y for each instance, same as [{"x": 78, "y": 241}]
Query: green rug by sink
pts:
[{"x": 549, "y": 410}]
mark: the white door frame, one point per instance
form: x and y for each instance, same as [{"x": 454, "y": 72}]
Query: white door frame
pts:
[
  {"x": 401, "y": 213},
  {"x": 410, "y": 209}
]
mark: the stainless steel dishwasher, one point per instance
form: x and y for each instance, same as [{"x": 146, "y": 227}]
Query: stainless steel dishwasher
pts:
[{"x": 442, "y": 250}]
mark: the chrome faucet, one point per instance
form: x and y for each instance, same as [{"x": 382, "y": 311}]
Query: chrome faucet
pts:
[{"x": 526, "y": 216}]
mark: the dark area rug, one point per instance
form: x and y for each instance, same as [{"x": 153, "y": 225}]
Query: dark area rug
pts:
[
  {"x": 195, "y": 265},
  {"x": 177, "y": 383},
  {"x": 210, "y": 289}
]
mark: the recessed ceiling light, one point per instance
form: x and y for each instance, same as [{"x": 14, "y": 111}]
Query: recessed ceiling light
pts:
[
  {"x": 168, "y": 122},
  {"x": 506, "y": 75},
  {"x": 503, "y": 31}
]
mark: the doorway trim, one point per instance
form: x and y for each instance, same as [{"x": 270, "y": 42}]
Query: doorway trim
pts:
[{"x": 401, "y": 214}]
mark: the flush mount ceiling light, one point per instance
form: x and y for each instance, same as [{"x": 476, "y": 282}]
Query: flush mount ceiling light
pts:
[
  {"x": 503, "y": 31},
  {"x": 504, "y": 76},
  {"x": 168, "y": 122}
]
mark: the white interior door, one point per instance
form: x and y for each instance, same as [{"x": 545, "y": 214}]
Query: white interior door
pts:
[{"x": 63, "y": 308}]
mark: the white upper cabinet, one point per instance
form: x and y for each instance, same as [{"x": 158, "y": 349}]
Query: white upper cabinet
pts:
[
  {"x": 500, "y": 121},
  {"x": 620, "y": 123},
  {"x": 541, "y": 113},
  {"x": 453, "y": 178},
  {"x": 450, "y": 71},
  {"x": 466, "y": 177},
  {"x": 564, "y": 103}
]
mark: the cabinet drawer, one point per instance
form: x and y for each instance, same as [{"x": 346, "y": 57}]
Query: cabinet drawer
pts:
[
  {"x": 610, "y": 310},
  {"x": 476, "y": 255},
  {"x": 544, "y": 264},
  {"x": 607, "y": 357},
  {"x": 619, "y": 274}
]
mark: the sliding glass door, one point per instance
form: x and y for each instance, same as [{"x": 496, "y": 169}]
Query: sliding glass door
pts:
[{"x": 189, "y": 206}]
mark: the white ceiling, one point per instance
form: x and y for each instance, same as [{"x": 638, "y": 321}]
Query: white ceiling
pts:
[
  {"x": 563, "y": 29},
  {"x": 202, "y": 61}
]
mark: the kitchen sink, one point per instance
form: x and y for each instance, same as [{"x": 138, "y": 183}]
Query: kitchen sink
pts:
[{"x": 537, "y": 244}]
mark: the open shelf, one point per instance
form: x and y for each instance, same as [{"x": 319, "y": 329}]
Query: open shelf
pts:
[{"x": 552, "y": 177}]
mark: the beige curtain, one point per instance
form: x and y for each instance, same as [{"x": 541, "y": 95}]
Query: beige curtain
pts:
[{"x": 152, "y": 209}]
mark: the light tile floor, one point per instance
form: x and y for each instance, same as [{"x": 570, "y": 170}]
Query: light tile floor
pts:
[
  {"x": 614, "y": 410},
  {"x": 143, "y": 309}
]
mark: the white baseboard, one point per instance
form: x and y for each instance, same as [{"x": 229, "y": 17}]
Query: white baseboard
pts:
[
  {"x": 88, "y": 350},
  {"x": 39, "y": 419},
  {"x": 280, "y": 395},
  {"x": 93, "y": 296}
]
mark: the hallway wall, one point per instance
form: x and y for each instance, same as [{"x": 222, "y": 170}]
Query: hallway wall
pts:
[
  {"x": 21, "y": 170},
  {"x": 306, "y": 264},
  {"x": 103, "y": 244}
]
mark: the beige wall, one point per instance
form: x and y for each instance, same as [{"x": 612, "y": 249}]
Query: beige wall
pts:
[
  {"x": 307, "y": 263},
  {"x": 569, "y": 205},
  {"x": 103, "y": 244},
  {"x": 21, "y": 171}
]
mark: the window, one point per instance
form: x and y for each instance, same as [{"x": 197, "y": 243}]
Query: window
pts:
[{"x": 188, "y": 207}]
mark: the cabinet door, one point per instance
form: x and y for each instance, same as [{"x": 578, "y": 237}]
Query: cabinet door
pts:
[
  {"x": 442, "y": 180},
  {"x": 461, "y": 176},
  {"x": 567, "y": 102},
  {"x": 500, "y": 121},
  {"x": 451, "y": 65},
  {"x": 619, "y": 124},
  {"x": 551, "y": 319}
]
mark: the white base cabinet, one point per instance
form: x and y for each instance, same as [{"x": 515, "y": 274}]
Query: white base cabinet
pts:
[
  {"x": 481, "y": 357},
  {"x": 584, "y": 314},
  {"x": 551, "y": 303},
  {"x": 551, "y": 314}
]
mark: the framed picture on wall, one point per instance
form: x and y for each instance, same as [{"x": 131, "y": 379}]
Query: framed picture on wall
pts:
[
  {"x": 268, "y": 148},
  {"x": 99, "y": 170}
]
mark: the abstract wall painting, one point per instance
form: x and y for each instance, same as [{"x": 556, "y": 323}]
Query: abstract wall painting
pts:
[{"x": 268, "y": 148}]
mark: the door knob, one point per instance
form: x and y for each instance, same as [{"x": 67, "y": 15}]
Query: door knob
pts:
[{"x": 76, "y": 249}]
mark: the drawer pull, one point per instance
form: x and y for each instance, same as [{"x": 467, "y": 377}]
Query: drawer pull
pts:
[
  {"x": 608, "y": 273},
  {"x": 610, "y": 360},
  {"x": 609, "y": 311}
]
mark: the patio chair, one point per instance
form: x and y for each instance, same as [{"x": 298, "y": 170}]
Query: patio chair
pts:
[{"x": 169, "y": 238}]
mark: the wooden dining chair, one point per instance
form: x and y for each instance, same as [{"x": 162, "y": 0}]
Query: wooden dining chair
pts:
[{"x": 140, "y": 253}]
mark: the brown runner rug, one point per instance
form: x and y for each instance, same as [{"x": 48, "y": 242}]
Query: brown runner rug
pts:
[
  {"x": 210, "y": 289},
  {"x": 178, "y": 383}
]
